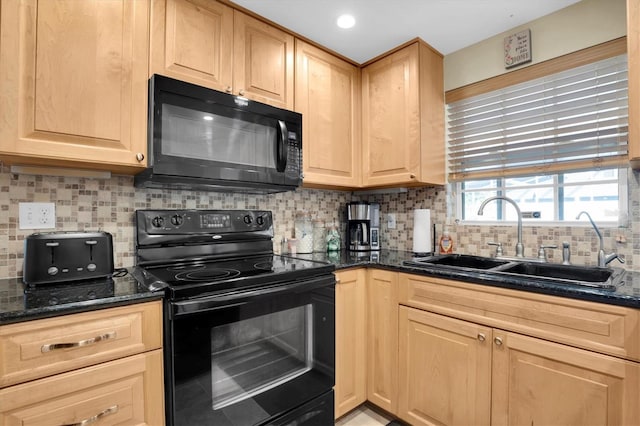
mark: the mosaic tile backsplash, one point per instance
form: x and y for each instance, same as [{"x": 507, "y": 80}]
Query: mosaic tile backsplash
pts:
[{"x": 109, "y": 205}]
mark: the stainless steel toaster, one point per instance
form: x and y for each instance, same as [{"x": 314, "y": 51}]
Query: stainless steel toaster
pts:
[{"x": 67, "y": 256}]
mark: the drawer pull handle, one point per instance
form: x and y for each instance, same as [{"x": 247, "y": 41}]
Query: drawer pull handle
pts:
[
  {"x": 52, "y": 346},
  {"x": 481, "y": 337},
  {"x": 498, "y": 341},
  {"x": 93, "y": 419}
]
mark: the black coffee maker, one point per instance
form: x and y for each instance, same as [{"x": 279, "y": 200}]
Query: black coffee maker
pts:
[{"x": 363, "y": 226}]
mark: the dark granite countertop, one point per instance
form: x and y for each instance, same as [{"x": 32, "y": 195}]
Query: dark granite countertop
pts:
[
  {"x": 21, "y": 303},
  {"x": 627, "y": 293}
]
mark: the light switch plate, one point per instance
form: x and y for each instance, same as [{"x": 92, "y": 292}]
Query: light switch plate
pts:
[
  {"x": 37, "y": 215},
  {"x": 391, "y": 220}
]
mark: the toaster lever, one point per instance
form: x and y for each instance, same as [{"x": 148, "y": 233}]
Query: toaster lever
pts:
[
  {"x": 91, "y": 243},
  {"x": 52, "y": 245}
]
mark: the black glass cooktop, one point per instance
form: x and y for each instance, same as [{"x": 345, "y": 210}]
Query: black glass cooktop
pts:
[{"x": 195, "y": 278}]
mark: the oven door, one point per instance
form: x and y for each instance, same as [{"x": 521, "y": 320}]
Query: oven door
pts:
[{"x": 248, "y": 357}]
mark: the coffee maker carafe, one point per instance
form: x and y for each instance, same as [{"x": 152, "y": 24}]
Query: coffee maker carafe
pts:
[{"x": 363, "y": 226}]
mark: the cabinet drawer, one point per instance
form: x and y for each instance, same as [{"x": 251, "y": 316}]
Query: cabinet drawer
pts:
[
  {"x": 126, "y": 391},
  {"x": 35, "y": 349},
  {"x": 599, "y": 327}
]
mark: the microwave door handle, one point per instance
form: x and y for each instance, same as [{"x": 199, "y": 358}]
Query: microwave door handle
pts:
[{"x": 281, "y": 149}]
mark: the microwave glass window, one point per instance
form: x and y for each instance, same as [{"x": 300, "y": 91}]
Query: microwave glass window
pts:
[
  {"x": 193, "y": 134},
  {"x": 256, "y": 354}
]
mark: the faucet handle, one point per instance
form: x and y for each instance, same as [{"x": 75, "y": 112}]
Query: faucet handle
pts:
[
  {"x": 498, "y": 248},
  {"x": 542, "y": 254}
]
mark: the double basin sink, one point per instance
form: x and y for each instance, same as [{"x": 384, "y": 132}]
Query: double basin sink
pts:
[{"x": 585, "y": 276}]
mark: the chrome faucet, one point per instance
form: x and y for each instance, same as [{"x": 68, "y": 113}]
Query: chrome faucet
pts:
[
  {"x": 519, "y": 246},
  {"x": 603, "y": 260}
]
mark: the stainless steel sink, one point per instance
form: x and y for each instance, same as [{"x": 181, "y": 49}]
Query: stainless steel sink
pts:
[
  {"x": 458, "y": 261},
  {"x": 586, "y": 276}
]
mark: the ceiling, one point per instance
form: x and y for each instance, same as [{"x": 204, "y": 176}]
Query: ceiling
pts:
[{"x": 447, "y": 25}]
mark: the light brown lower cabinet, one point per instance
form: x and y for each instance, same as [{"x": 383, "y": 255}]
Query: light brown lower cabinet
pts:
[
  {"x": 535, "y": 382},
  {"x": 351, "y": 355},
  {"x": 453, "y": 371},
  {"x": 445, "y": 370},
  {"x": 456, "y": 372},
  {"x": 382, "y": 339},
  {"x": 98, "y": 367},
  {"x": 126, "y": 391}
]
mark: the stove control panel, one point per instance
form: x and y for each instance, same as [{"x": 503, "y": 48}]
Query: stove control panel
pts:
[{"x": 154, "y": 226}]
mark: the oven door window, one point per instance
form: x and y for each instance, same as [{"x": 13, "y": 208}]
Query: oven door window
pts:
[
  {"x": 253, "y": 355},
  {"x": 250, "y": 362}
]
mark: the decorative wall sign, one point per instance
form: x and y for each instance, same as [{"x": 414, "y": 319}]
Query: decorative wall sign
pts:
[{"x": 517, "y": 49}]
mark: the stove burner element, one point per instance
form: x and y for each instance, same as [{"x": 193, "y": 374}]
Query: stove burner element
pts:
[
  {"x": 209, "y": 274},
  {"x": 264, "y": 266},
  {"x": 185, "y": 267}
]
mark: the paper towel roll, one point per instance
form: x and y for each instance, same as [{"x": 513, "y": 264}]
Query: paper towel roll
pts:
[{"x": 422, "y": 231}]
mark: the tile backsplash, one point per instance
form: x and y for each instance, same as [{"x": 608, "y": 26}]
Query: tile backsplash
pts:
[{"x": 109, "y": 205}]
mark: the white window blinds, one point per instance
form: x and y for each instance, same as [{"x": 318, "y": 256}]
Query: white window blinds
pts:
[{"x": 572, "y": 120}]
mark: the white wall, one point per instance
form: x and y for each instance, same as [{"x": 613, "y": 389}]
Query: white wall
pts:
[{"x": 581, "y": 25}]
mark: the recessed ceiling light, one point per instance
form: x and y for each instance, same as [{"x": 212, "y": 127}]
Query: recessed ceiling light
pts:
[
  {"x": 207, "y": 118},
  {"x": 346, "y": 21}
]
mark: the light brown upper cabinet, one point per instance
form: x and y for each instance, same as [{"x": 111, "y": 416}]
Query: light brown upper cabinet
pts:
[
  {"x": 73, "y": 83},
  {"x": 213, "y": 45},
  {"x": 403, "y": 118},
  {"x": 327, "y": 94},
  {"x": 633, "y": 58}
]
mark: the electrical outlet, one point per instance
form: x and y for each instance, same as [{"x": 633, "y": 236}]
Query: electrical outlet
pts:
[
  {"x": 391, "y": 220},
  {"x": 37, "y": 215}
]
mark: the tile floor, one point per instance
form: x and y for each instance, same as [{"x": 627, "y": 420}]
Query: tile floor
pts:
[{"x": 363, "y": 416}]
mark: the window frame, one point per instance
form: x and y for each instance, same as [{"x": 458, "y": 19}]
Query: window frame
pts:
[{"x": 558, "y": 186}]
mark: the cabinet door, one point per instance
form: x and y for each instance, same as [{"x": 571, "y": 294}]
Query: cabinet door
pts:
[
  {"x": 262, "y": 62},
  {"x": 536, "y": 382},
  {"x": 391, "y": 119},
  {"x": 350, "y": 389},
  {"x": 192, "y": 40},
  {"x": 74, "y": 83},
  {"x": 126, "y": 391},
  {"x": 327, "y": 94},
  {"x": 633, "y": 52},
  {"x": 382, "y": 339},
  {"x": 445, "y": 370}
]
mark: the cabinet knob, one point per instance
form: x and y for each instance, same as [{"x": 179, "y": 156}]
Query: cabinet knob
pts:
[
  {"x": 139, "y": 156},
  {"x": 337, "y": 280},
  {"x": 481, "y": 337},
  {"x": 498, "y": 341},
  {"x": 412, "y": 176},
  {"x": 241, "y": 92},
  {"x": 229, "y": 89}
]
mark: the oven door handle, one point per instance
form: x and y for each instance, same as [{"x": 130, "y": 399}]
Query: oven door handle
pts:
[{"x": 243, "y": 297}]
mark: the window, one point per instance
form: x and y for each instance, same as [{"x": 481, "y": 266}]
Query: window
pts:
[
  {"x": 549, "y": 136},
  {"x": 575, "y": 119},
  {"x": 549, "y": 198}
]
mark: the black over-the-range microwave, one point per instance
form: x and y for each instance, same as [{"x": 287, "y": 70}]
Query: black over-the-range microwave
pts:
[{"x": 203, "y": 139}]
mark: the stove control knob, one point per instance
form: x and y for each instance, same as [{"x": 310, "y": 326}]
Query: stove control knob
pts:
[
  {"x": 177, "y": 220},
  {"x": 157, "y": 221},
  {"x": 91, "y": 267},
  {"x": 260, "y": 220},
  {"x": 52, "y": 270},
  {"x": 248, "y": 219}
]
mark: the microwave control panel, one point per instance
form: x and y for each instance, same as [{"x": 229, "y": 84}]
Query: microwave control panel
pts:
[{"x": 294, "y": 157}]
